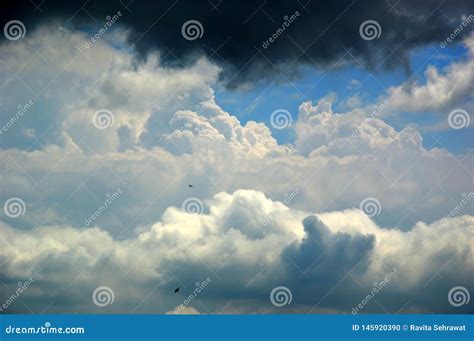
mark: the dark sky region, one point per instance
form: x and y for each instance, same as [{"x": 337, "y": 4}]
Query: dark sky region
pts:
[
  {"x": 234, "y": 31},
  {"x": 151, "y": 172}
]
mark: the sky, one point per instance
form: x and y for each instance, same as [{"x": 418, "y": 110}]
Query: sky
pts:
[{"x": 325, "y": 167}]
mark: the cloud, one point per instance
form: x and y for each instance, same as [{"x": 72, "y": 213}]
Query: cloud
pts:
[
  {"x": 150, "y": 104},
  {"x": 321, "y": 132},
  {"x": 321, "y": 249},
  {"x": 212, "y": 128},
  {"x": 245, "y": 257},
  {"x": 442, "y": 91},
  {"x": 239, "y": 44},
  {"x": 169, "y": 132},
  {"x": 269, "y": 211},
  {"x": 68, "y": 84}
]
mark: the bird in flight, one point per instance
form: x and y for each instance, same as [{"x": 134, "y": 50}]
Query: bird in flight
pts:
[
  {"x": 190, "y": 186},
  {"x": 176, "y": 290}
]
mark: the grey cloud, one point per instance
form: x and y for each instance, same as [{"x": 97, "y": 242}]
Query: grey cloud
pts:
[{"x": 235, "y": 31}]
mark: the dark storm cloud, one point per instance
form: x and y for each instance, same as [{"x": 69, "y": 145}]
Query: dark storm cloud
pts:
[
  {"x": 326, "y": 255},
  {"x": 235, "y": 33}
]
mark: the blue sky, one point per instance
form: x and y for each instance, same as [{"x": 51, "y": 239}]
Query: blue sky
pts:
[
  {"x": 136, "y": 176},
  {"x": 260, "y": 101}
]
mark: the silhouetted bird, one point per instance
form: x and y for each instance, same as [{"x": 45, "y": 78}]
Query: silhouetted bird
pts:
[
  {"x": 176, "y": 290},
  {"x": 190, "y": 185}
]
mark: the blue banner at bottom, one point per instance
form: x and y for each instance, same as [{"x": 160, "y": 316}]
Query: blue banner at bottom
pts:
[{"x": 237, "y": 327}]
